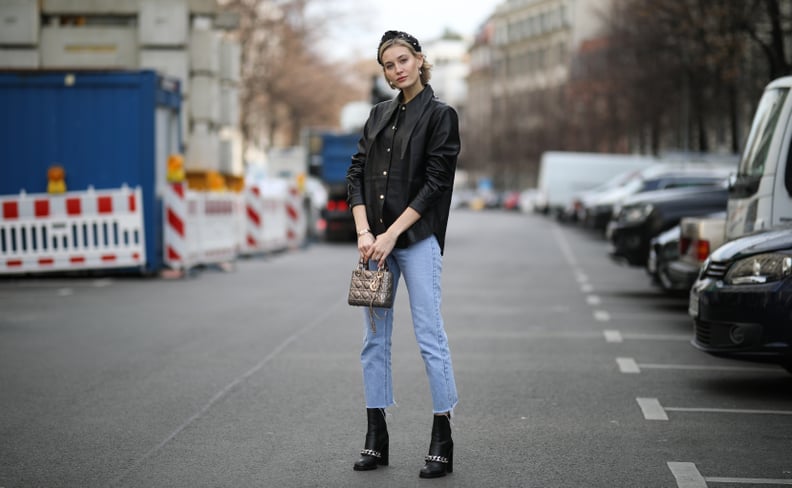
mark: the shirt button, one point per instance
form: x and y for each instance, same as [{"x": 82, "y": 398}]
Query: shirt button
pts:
[
  {"x": 384, "y": 173},
  {"x": 394, "y": 127},
  {"x": 387, "y": 150},
  {"x": 404, "y": 108},
  {"x": 382, "y": 197}
]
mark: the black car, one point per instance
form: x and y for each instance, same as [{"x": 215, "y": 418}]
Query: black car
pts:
[
  {"x": 741, "y": 303},
  {"x": 664, "y": 250},
  {"x": 598, "y": 206},
  {"x": 645, "y": 215}
]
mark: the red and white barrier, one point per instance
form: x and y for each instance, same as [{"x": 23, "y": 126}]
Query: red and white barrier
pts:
[
  {"x": 200, "y": 228},
  {"x": 296, "y": 218},
  {"x": 73, "y": 231},
  {"x": 175, "y": 232},
  {"x": 265, "y": 218}
]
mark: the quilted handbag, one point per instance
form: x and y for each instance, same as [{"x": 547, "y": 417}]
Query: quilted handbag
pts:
[{"x": 371, "y": 288}]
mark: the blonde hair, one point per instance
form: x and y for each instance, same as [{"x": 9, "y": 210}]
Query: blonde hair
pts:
[{"x": 426, "y": 69}]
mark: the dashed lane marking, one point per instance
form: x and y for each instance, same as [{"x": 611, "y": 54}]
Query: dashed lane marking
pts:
[
  {"x": 601, "y": 316},
  {"x": 593, "y": 300},
  {"x": 612, "y": 336},
  {"x": 628, "y": 365},
  {"x": 586, "y": 288},
  {"x": 687, "y": 475},
  {"x": 653, "y": 410}
]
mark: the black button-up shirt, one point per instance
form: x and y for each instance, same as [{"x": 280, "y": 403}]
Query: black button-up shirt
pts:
[{"x": 386, "y": 157}]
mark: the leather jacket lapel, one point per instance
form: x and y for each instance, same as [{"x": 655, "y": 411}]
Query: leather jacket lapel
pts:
[
  {"x": 423, "y": 99},
  {"x": 384, "y": 118}
]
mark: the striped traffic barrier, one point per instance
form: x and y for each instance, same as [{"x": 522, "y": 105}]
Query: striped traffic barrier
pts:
[{"x": 92, "y": 229}]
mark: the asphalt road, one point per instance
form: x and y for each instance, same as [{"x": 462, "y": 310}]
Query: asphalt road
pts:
[{"x": 572, "y": 372}]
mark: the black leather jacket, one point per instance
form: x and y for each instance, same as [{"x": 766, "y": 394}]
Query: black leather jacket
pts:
[{"x": 428, "y": 161}]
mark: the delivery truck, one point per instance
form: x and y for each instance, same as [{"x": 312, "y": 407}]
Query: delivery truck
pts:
[{"x": 330, "y": 154}]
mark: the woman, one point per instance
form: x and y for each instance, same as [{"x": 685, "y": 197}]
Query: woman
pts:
[{"x": 399, "y": 189}]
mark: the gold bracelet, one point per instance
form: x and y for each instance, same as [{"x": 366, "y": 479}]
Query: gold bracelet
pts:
[{"x": 363, "y": 232}]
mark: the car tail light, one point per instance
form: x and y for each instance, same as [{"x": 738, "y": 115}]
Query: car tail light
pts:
[
  {"x": 684, "y": 245},
  {"x": 337, "y": 205},
  {"x": 702, "y": 250}
]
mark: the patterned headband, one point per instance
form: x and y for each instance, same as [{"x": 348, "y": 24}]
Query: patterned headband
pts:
[{"x": 393, "y": 34}]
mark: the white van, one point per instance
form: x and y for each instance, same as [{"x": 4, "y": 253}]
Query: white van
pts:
[
  {"x": 563, "y": 175},
  {"x": 760, "y": 194}
]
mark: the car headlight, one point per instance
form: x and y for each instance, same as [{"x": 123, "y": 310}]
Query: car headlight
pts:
[
  {"x": 761, "y": 268},
  {"x": 637, "y": 213}
]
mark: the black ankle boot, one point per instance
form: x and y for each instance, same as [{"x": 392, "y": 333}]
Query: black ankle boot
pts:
[
  {"x": 375, "y": 450},
  {"x": 440, "y": 459}
]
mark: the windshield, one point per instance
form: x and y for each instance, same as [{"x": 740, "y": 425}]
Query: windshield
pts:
[{"x": 762, "y": 129}]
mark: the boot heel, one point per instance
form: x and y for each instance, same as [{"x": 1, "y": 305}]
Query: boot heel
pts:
[
  {"x": 383, "y": 460},
  {"x": 375, "y": 450},
  {"x": 440, "y": 459}
]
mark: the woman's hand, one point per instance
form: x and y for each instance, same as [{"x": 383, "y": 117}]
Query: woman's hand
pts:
[
  {"x": 381, "y": 248},
  {"x": 364, "y": 242}
]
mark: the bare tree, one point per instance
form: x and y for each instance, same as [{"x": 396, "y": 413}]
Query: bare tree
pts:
[
  {"x": 287, "y": 84},
  {"x": 687, "y": 68}
]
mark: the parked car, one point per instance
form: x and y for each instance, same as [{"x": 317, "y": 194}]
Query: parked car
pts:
[
  {"x": 645, "y": 215},
  {"x": 699, "y": 236},
  {"x": 676, "y": 255},
  {"x": 741, "y": 302},
  {"x": 663, "y": 250},
  {"x": 595, "y": 208}
]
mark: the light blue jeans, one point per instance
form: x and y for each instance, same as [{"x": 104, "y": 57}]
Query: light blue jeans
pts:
[{"x": 421, "y": 265}]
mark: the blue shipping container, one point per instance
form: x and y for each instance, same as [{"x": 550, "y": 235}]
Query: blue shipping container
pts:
[{"x": 105, "y": 128}]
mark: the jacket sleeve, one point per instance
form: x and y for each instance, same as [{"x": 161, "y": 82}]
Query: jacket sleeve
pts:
[
  {"x": 356, "y": 170},
  {"x": 442, "y": 149}
]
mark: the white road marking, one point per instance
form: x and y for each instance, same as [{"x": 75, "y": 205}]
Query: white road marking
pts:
[
  {"x": 651, "y": 408},
  {"x": 227, "y": 389},
  {"x": 586, "y": 288},
  {"x": 593, "y": 300},
  {"x": 749, "y": 481},
  {"x": 65, "y": 292},
  {"x": 581, "y": 277},
  {"x": 697, "y": 367},
  {"x": 101, "y": 283},
  {"x": 612, "y": 335},
  {"x": 687, "y": 475},
  {"x": 729, "y": 410},
  {"x": 601, "y": 316},
  {"x": 628, "y": 365},
  {"x": 657, "y": 337},
  {"x": 565, "y": 249}
]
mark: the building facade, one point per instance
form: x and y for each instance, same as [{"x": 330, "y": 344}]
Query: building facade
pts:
[{"x": 519, "y": 66}]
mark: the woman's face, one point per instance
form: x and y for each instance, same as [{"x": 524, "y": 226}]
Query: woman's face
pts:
[{"x": 401, "y": 67}]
